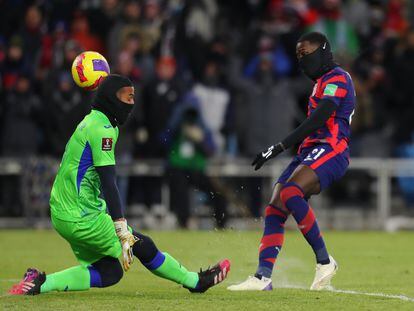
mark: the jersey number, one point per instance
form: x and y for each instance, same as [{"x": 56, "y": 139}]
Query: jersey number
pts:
[{"x": 315, "y": 154}]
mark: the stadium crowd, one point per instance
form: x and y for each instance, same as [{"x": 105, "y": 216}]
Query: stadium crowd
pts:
[{"x": 213, "y": 78}]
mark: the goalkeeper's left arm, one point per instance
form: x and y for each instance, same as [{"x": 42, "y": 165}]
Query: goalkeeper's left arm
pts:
[{"x": 107, "y": 176}]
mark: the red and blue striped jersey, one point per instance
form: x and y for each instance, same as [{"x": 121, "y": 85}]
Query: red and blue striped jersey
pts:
[{"x": 337, "y": 86}]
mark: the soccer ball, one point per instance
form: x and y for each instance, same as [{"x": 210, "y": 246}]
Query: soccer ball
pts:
[{"x": 88, "y": 70}]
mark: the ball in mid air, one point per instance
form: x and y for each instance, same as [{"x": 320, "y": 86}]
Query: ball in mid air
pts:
[{"x": 89, "y": 69}]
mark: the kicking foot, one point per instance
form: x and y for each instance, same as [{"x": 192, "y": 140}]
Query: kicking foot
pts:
[
  {"x": 211, "y": 276},
  {"x": 324, "y": 274},
  {"x": 253, "y": 283},
  {"x": 30, "y": 285}
]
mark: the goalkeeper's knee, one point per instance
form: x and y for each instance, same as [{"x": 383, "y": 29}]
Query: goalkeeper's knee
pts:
[
  {"x": 144, "y": 249},
  {"x": 109, "y": 269}
]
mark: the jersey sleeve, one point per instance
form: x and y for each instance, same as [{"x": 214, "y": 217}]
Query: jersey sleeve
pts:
[
  {"x": 335, "y": 88},
  {"x": 102, "y": 142}
]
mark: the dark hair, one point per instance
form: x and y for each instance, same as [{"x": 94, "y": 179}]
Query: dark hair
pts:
[{"x": 314, "y": 38}]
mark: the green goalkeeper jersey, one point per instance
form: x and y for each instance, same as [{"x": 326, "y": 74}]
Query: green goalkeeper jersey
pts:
[{"x": 76, "y": 191}]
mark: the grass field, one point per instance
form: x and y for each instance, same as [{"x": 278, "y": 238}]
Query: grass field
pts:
[{"x": 371, "y": 263}]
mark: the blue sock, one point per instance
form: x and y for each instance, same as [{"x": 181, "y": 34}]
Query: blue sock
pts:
[{"x": 96, "y": 280}]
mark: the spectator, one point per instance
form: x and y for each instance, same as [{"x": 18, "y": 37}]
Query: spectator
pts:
[
  {"x": 269, "y": 106},
  {"x": 65, "y": 110},
  {"x": 103, "y": 18},
  {"x": 191, "y": 143},
  {"x": 159, "y": 102},
  {"x": 14, "y": 63},
  {"x": 21, "y": 132},
  {"x": 81, "y": 34},
  {"x": 403, "y": 86},
  {"x": 152, "y": 24},
  {"x": 125, "y": 66},
  {"x": 214, "y": 101},
  {"x": 144, "y": 63},
  {"x": 32, "y": 36},
  {"x": 342, "y": 36},
  {"x": 129, "y": 23}
]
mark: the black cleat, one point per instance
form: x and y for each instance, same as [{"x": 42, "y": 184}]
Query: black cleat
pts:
[{"x": 211, "y": 276}]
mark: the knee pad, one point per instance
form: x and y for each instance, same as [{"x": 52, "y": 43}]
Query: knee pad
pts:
[
  {"x": 144, "y": 249},
  {"x": 290, "y": 190},
  {"x": 109, "y": 269}
]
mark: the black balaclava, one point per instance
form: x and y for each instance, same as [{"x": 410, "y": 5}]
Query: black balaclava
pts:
[
  {"x": 319, "y": 62},
  {"x": 107, "y": 102}
]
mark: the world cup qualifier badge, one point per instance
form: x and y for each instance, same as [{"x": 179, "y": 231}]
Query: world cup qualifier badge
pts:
[{"x": 106, "y": 144}]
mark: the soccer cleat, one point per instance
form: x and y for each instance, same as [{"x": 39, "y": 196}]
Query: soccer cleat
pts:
[
  {"x": 211, "y": 276},
  {"x": 324, "y": 274},
  {"x": 253, "y": 283},
  {"x": 30, "y": 285}
]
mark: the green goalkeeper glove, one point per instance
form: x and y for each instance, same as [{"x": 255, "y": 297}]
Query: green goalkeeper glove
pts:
[{"x": 127, "y": 240}]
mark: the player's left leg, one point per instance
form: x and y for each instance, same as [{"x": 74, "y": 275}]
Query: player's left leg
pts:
[
  {"x": 165, "y": 266},
  {"x": 308, "y": 179}
]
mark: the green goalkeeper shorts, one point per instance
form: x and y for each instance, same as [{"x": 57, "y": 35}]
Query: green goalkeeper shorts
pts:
[{"x": 90, "y": 240}]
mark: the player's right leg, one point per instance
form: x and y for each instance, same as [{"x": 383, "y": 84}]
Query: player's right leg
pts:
[
  {"x": 165, "y": 266},
  {"x": 270, "y": 245}
]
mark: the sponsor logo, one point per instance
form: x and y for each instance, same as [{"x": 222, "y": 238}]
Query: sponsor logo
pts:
[
  {"x": 107, "y": 126},
  {"x": 268, "y": 152}
]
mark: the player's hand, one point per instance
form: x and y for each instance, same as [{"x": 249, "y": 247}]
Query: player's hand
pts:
[
  {"x": 265, "y": 155},
  {"x": 127, "y": 240}
]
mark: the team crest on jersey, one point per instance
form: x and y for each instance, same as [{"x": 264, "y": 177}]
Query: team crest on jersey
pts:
[{"x": 106, "y": 144}]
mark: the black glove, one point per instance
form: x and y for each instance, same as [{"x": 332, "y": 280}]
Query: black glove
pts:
[{"x": 271, "y": 152}]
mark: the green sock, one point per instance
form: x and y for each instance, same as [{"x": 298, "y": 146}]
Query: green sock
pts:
[
  {"x": 75, "y": 278},
  {"x": 172, "y": 270}
]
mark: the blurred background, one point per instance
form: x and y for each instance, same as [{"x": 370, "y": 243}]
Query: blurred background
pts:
[{"x": 216, "y": 82}]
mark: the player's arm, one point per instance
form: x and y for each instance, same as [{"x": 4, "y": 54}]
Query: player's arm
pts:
[
  {"x": 102, "y": 142},
  {"x": 107, "y": 175},
  {"x": 316, "y": 120}
]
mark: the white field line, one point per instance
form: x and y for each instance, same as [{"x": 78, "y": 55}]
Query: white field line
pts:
[
  {"x": 10, "y": 280},
  {"x": 354, "y": 292}
]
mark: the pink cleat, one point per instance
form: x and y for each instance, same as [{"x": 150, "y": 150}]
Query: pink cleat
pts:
[
  {"x": 211, "y": 276},
  {"x": 30, "y": 285}
]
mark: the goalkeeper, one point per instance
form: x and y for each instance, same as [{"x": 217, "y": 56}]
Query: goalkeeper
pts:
[{"x": 80, "y": 216}]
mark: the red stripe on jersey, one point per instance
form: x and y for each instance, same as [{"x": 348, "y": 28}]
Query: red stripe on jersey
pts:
[
  {"x": 314, "y": 104},
  {"x": 340, "y": 92},
  {"x": 338, "y": 78},
  {"x": 333, "y": 128}
]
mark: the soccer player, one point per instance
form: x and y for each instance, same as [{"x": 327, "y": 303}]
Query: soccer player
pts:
[
  {"x": 322, "y": 158},
  {"x": 80, "y": 216}
]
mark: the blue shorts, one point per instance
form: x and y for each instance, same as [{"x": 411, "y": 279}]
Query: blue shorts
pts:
[{"x": 328, "y": 164}]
